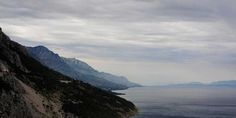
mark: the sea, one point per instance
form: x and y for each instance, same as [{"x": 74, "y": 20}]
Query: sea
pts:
[{"x": 182, "y": 102}]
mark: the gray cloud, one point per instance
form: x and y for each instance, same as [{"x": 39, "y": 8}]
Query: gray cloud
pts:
[{"x": 145, "y": 31}]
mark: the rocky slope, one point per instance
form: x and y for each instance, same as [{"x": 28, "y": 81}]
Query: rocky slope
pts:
[{"x": 29, "y": 89}]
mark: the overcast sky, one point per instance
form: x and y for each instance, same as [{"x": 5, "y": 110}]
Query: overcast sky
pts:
[{"x": 151, "y": 42}]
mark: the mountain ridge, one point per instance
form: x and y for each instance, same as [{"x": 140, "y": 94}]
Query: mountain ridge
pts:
[
  {"x": 224, "y": 83},
  {"x": 30, "y": 89},
  {"x": 75, "y": 64},
  {"x": 78, "y": 69}
]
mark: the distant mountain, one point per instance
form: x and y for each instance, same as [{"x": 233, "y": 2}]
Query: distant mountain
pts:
[
  {"x": 57, "y": 63},
  {"x": 84, "y": 68},
  {"x": 78, "y": 70},
  {"x": 52, "y": 60},
  {"x": 228, "y": 83},
  {"x": 28, "y": 89}
]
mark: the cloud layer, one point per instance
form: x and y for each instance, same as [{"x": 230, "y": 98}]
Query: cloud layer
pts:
[{"x": 143, "y": 31}]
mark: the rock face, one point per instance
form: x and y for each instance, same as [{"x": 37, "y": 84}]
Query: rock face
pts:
[
  {"x": 12, "y": 101},
  {"x": 3, "y": 68},
  {"x": 29, "y": 89}
]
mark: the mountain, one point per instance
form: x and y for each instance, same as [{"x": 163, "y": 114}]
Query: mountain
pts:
[
  {"x": 84, "y": 68},
  {"x": 30, "y": 89},
  {"x": 228, "y": 83},
  {"x": 78, "y": 70},
  {"x": 55, "y": 62},
  {"x": 52, "y": 60}
]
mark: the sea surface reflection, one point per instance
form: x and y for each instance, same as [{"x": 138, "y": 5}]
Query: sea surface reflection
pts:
[{"x": 177, "y": 102}]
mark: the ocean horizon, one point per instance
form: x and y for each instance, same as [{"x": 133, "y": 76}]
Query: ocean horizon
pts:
[{"x": 182, "y": 102}]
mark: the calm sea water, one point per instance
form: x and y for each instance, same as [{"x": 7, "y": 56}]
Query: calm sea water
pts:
[{"x": 160, "y": 102}]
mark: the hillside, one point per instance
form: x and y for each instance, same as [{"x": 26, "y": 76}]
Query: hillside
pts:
[
  {"x": 29, "y": 89},
  {"x": 84, "y": 68},
  {"x": 79, "y": 70}
]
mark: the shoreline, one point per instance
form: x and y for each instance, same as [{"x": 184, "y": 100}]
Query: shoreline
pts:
[{"x": 131, "y": 113}]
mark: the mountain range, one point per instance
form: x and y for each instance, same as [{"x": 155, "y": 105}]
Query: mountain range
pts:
[
  {"x": 29, "y": 89},
  {"x": 79, "y": 70},
  {"x": 226, "y": 83}
]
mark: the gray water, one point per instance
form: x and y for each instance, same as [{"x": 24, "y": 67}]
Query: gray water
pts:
[{"x": 161, "y": 102}]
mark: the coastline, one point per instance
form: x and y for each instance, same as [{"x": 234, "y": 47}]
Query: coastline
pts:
[{"x": 131, "y": 113}]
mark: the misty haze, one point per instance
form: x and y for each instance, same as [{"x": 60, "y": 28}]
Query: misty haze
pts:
[{"x": 118, "y": 59}]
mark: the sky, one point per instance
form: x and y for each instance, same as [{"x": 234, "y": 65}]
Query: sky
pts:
[{"x": 151, "y": 42}]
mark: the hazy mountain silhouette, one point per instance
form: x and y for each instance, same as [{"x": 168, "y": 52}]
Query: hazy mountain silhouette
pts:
[
  {"x": 226, "y": 83},
  {"x": 79, "y": 70},
  {"x": 84, "y": 68}
]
